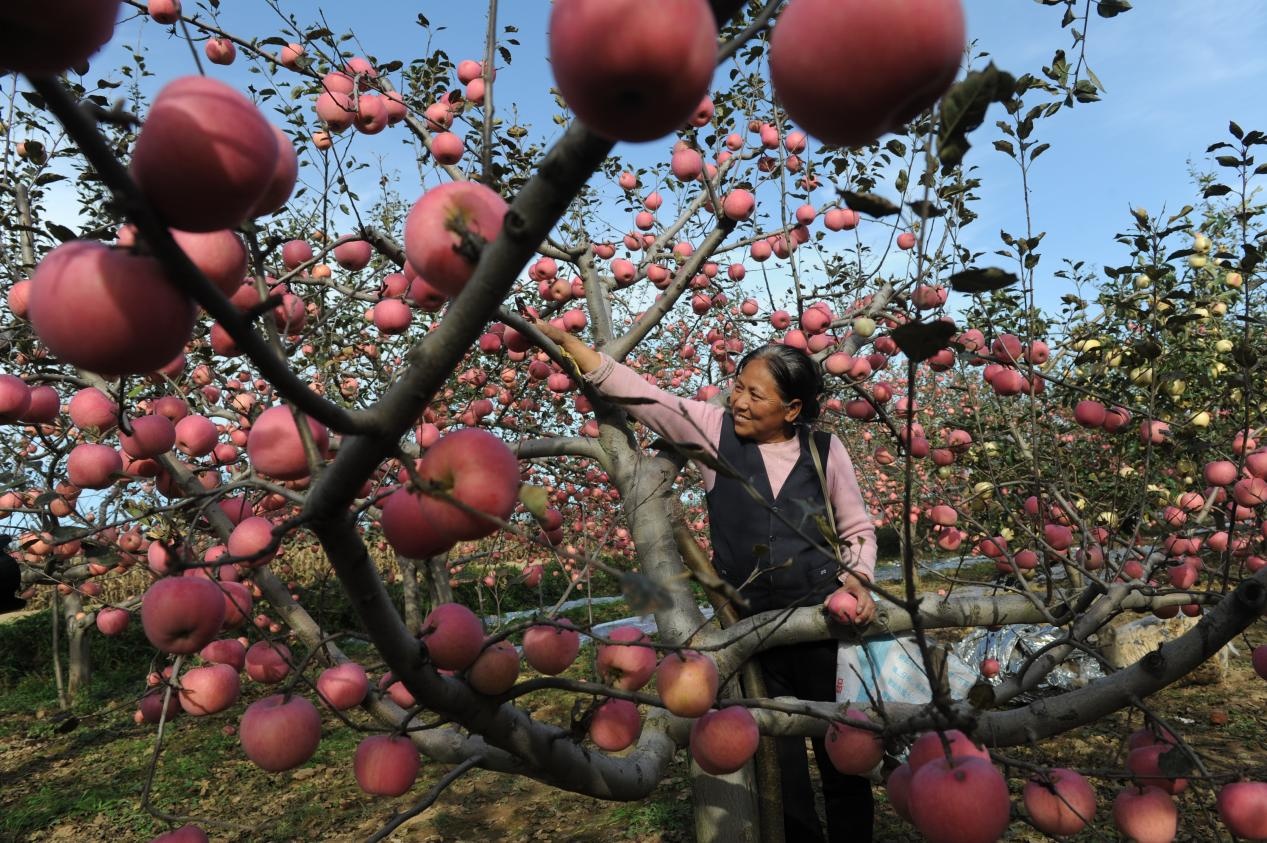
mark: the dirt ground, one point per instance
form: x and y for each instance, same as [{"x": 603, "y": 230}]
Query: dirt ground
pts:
[{"x": 81, "y": 781}]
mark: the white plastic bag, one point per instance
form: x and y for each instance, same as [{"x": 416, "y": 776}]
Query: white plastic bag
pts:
[{"x": 889, "y": 668}]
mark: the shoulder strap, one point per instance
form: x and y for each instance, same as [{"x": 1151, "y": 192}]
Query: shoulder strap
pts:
[{"x": 817, "y": 439}]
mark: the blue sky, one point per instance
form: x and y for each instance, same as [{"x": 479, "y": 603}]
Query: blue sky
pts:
[{"x": 1175, "y": 74}]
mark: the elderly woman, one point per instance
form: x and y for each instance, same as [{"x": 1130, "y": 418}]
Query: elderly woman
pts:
[{"x": 766, "y": 537}]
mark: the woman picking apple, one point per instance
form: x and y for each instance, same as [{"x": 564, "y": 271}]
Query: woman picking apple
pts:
[{"x": 764, "y": 525}]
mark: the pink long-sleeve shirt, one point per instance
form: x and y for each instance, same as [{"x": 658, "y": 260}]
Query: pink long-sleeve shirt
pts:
[{"x": 698, "y": 423}]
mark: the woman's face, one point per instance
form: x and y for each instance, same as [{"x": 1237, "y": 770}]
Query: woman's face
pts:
[{"x": 759, "y": 409}]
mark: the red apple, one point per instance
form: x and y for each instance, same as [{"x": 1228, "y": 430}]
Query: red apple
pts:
[
  {"x": 615, "y": 725},
  {"x": 848, "y": 70},
  {"x": 343, "y": 686},
  {"x": 687, "y": 682},
  {"x": 225, "y": 651},
  {"x": 496, "y": 670},
  {"x": 151, "y": 435},
  {"x": 723, "y": 741},
  {"x": 853, "y": 751},
  {"x": 92, "y": 466},
  {"x": 279, "y": 733},
  {"x": 112, "y": 621},
  {"x": 275, "y": 448},
  {"x": 238, "y": 603},
  {"x": 108, "y": 311},
  {"x": 188, "y": 833},
  {"x": 627, "y": 663},
  {"x": 959, "y": 800},
  {"x": 1243, "y": 808},
  {"x": 165, "y": 12},
  {"x": 1060, "y": 803},
  {"x": 1146, "y": 814},
  {"x": 205, "y": 155},
  {"x": 44, "y": 406},
  {"x": 250, "y": 540},
  {"x": 209, "y": 690},
  {"x": 1145, "y": 763},
  {"x": 477, "y": 470},
  {"x": 928, "y": 747},
  {"x": 898, "y": 787},
  {"x": 454, "y": 636},
  {"x": 386, "y": 765},
  {"x": 15, "y": 398},
  {"x": 549, "y": 649},
  {"x": 842, "y": 607},
  {"x": 181, "y": 614},
  {"x": 633, "y": 72},
  {"x": 446, "y": 229},
  {"x": 151, "y": 706},
  {"x": 40, "y": 41},
  {"x": 268, "y": 662}
]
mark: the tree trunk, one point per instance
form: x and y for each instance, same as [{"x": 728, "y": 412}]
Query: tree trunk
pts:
[
  {"x": 79, "y": 662},
  {"x": 409, "y": 583}
]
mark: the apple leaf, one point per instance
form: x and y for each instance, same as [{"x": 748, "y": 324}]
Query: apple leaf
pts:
[
  {"x": 535, "y": 499},
  {"x": 1174, "y": 763},
  {"x": 1111, "y": 8},
  {"x": 982, "y": 280},
  {"x": 869, "y": 203},
  {"x": 925, "y": 209},
  {"x": 963, "y": 110},
  {"x": 921, "y": 340}
]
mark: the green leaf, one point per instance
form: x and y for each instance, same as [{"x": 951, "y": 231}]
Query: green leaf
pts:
[
  {"x": 982, "y": 280},
  {"x": 925, "y": 209},
  {"x": 921, "y": 340},
  {"x": 1216, "y": 190},
  {"x": 869, "y": 204},
  {"x": 1236, "y": 130},
  {"x": 1038, "y": 150},
  {"x": 963, "y": 109},
  {"x": 1111, "y": 8},
  {"x": 1227, "y": 160},
  {"x": 61, "y": 232},
  {"x": 1005, "y": 147}
]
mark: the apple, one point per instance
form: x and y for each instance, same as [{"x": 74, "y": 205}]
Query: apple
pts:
[
  {"x": 280, "y": 732},
  {"x": 475, "y": 469},
  {"x": 447, "y": 147},
  {"x": 219, "y": 255},
  {"x": 203, "y": 139},
  {"x": 238, "y": 601},
  {"x": 848, "y": 71},
  {"x": 353, "y": 255},
  {"x": 1146, "y": 814},
  {"x": 44, "y": 406},
  {"x": 343, "y": 686},
  {"x": 1259, "y": 660},
  {"x": 633, "y": 72},
  {"x": 181, "y": 614},
  {"x": 268, "y": 662},
  {"x": 386, "y": 765},
  {"x": 496, "y": 670},
  {"x": 225, "y": 651},
  {"x": 151, "y": 435},
  {"x": 722, "y": 741},
  {"x": 38, "y": 41},
  {"x": 989, "y": 668},
  {"x": 195, "y": 435},
  {"x": 108, "y": 311},
  {"x": 628, "y": 662},
  {"x": 842, "y": 607},
  {"x": 446, "y": 229},
  {"x": 392, "y": 316},
  {"x": 92, "y": 466},
  {"x": 1059, "y": 803},
  {"x": 188, "y": 833},
  {"x": 1243, "y": 808},
  {"x": 250, "y": 540},
  {"x": 209, "y": 690},
  {"x": 549, "y": 649},
  {"x": 928, "y": 747},
  {"x": 958, "y": 800},
  {"x": 406, "y": 529},
  {"x": 687, "y": 682},
  {"x": 454, "y": 636},
  {"x": 165, "y": 12},
  {"x": 738, "y": 205},
  {"x": 220, "y": 51},
  {"x": 615, "y": 725},
  {"x": 853, "y": 751},
  {"x": 151, "y": 706},
  {"x": 15, "y": 398},
  {"x": 898, "y": 787},
  {"x": 274, "y": 446},
  {"x": 111, "y": 621},
  {"x": 906, "y": 242}
]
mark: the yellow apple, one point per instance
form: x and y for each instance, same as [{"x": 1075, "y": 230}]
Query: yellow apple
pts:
[
  {"x": 1201, "y": 419},
  {"x": 1233, "y": 279}
]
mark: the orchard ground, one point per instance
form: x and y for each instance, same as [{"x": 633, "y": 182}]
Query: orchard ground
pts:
[{"x": 81, "y": 781}]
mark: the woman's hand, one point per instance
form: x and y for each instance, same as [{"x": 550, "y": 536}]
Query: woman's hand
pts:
[
  {"x": 557, "y": 335},
  {"x": 864, "y": 610}
]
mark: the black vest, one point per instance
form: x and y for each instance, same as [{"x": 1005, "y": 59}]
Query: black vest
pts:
[{"x": 751, "y": 535}]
